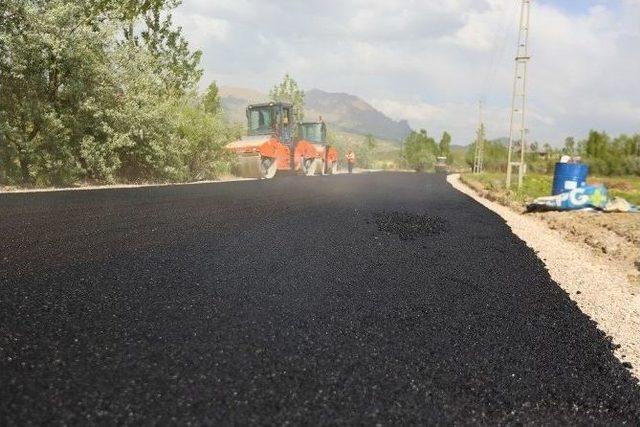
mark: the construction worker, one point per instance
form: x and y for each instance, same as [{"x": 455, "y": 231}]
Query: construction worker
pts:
[{"x": 351, "y": 159}]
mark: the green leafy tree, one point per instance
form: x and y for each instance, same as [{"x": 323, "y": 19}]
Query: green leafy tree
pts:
[
  {"x": 596, "y": 153},
  {"x": 570, "y": 146},
  {"x": 52, "y": 72},
  {"x": 445, "y": 145},
  {"x": 605, "y": 156},
  {"x": 596, "y": 144},
  {"x": 366, "y": 151},
  {"x": 495, "y": 156},
  {"x": 80, "y": 101},
  {"x": 633, "y": 148},
  {"x": 203, "y": 138},
  {"x": 149, "y": 24},
  {"x": 212, "y": 102},
  {"x": 370, "y": 142},
  {"x": 178, "y": 66},
  {"x": 420, "y": 151},
  {"x": 289, "y": 91}
]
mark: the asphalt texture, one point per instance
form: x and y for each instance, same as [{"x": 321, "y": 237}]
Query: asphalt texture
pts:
[{"x": 365, "y": 299}]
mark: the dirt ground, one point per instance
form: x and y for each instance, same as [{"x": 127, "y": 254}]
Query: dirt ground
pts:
[{"x": 613, "y": 235}]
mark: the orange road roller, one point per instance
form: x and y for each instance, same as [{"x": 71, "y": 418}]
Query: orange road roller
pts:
[{"x": 274, "y": 144}]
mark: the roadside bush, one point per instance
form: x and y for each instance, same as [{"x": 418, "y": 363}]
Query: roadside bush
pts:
[
  {"x": 420, "y": 151},
  {"x": 495, "y": 156},
  {"x": 632, "y": 165},
  {"x": 598, "y": 167},
  {"x": 203, "y": 136},
  {"x": 90, "y": 93},
  {"x": 605, "y": 156}
]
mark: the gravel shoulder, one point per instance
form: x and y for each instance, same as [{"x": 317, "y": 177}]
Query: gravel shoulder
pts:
[{"x": 604, "y": 286}]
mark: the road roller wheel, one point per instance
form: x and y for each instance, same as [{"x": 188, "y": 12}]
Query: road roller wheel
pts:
[
  {"x": 268, "y": 167},
  {"x": 333, "y": 168},
  {"x": 309, "y": 167},
  {"x": 248, "y": 167}
]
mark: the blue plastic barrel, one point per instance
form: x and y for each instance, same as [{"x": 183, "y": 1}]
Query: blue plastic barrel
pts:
[{"x": 569, "y": 176}]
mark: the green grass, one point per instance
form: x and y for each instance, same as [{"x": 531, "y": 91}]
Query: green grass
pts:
[
  {"x": 626, "y": 187},
  {"x": 459, "y": 159},
  {"x": 537, "y": 185}
]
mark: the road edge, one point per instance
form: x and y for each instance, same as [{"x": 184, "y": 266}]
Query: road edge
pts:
[
  {"x": 152, "y": 185},
  {"x": 120, "y": 186},
  {"x": 601, "y": 291}
]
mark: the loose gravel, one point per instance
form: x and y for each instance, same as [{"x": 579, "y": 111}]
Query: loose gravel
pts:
[
  {"x": 409, "y": 226},
  {"x": 283, "y": 302}
]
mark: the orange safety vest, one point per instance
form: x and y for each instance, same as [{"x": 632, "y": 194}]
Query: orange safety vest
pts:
[{"x": 351, "y": 157}]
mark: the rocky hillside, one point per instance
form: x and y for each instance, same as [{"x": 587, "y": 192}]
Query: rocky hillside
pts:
[
  {"x": 236, "y": 99},
  {"x": 341, "y": 111},
  {"x": 352, "y": 114}
]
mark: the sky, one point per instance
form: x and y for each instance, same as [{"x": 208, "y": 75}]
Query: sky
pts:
[{"x": 431, "y": 61}]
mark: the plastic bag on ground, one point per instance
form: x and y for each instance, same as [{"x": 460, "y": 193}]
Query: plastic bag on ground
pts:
[{"x": 590, "y": 197}]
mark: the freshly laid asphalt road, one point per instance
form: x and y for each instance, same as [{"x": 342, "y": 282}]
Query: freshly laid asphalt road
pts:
[{"x": 365, "y": 299}]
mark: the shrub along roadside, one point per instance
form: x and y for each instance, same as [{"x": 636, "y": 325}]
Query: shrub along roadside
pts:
[
  {"x": 606, "y": 156},
  {"x": 104, "y": 92},
  {"x": 539, "y": 185}
]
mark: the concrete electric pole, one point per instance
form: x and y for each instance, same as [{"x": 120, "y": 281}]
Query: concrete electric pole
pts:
[
  {"x": 519, "y": 99},
  {"x": 478, "y": 161}
]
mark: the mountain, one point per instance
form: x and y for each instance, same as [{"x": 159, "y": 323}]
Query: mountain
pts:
[
  {"x": 235, "y": 101},
  {"x": 352, "y": 114},
  {"x": 341, "y": 111}
]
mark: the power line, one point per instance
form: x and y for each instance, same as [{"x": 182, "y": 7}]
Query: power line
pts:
[{"x": 499, "y": 44}]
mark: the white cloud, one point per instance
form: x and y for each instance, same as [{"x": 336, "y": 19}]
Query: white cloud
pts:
[
  {"x": 430, "y": 61},
  {"x": 203, "y": 30}
]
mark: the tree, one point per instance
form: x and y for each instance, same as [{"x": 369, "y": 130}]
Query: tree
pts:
[
  {"x": 570, "y": 146},
  {"x": 212, "y": 102},
  {"x": 626, "y": 145},
  {"x": 178, "y": 67},
  {"x": 370, "y": 142},
  {"x": 420, "y": 151},
  {"x": 596, "y": 144},
  {"x": 445, "y": 145},
  {"x": 365, "y": 151},
  {"x": 149, "y": 24},
  {"x": 494, "y": 157},
  {"x": 80, "y": 101},
  {"x": 53, "y": 70},
  {"x": 288, "y": 91}
]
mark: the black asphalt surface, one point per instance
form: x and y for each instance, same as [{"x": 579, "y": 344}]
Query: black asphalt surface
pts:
[{"x": 366, "y": 299}]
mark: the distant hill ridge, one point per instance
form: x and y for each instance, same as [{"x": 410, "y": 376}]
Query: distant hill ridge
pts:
[{"x": 343, "y": 111}]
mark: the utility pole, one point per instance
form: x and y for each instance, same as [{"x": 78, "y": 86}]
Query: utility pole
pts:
[
  {"x": 478, "y": 162},
  {"x": 519, "y": 100}
]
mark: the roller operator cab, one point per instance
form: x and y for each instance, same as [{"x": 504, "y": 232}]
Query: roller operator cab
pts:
[
  {"x": 313, "y": 154},
  {"x": 268, "y": 146}
]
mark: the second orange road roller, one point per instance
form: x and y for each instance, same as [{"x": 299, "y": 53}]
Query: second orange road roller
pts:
[{"x": 275, "y": 143}]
